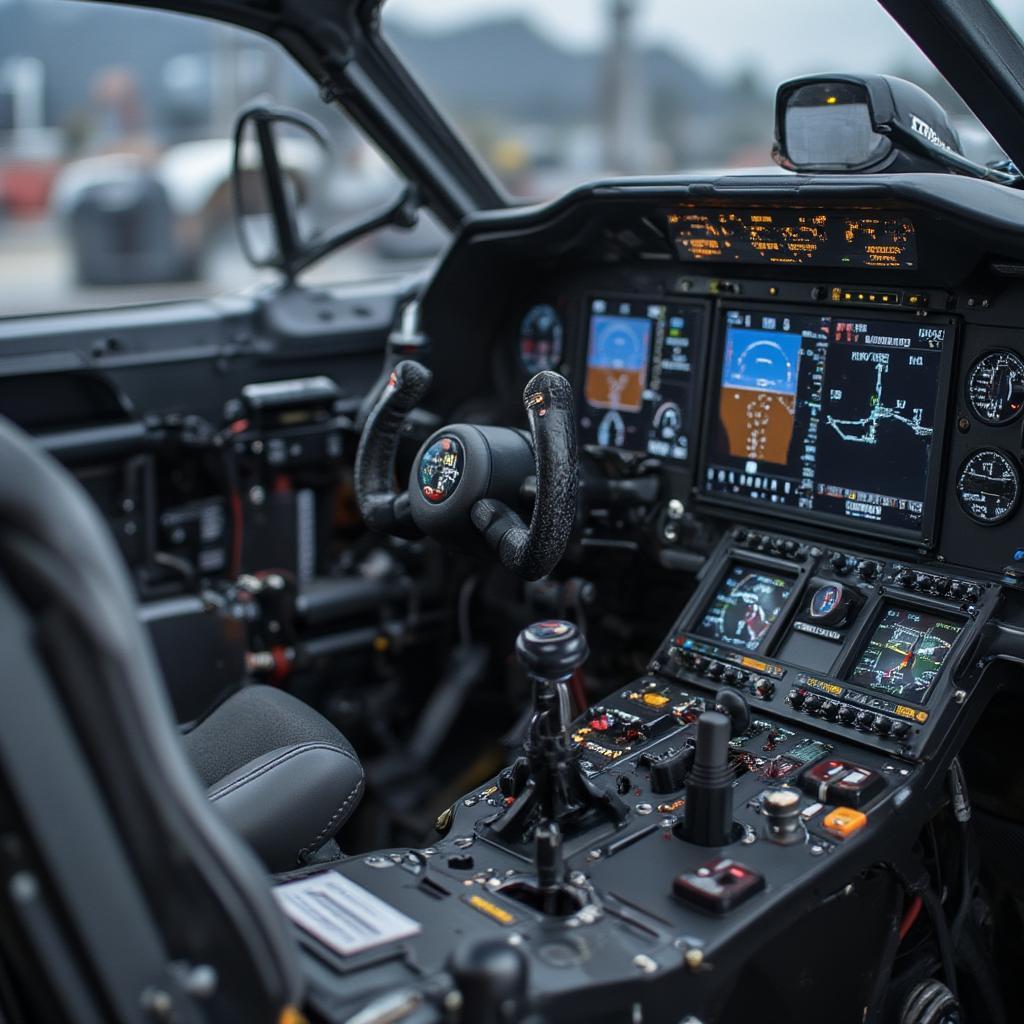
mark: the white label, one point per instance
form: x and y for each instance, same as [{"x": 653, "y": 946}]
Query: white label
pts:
[{"x": 341, "y": 914}]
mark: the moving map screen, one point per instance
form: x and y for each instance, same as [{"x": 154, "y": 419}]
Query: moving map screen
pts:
[
  {"x": 905, "y": 653},
  {"x": 637, "y": 386},
  {"x": 747, "y": 603},
  {"x": 832, "y": 414}
]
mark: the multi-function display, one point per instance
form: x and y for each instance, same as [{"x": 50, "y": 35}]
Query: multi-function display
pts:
[
  {"x": 745, "y": 607},
  {"x": 638, "y": 386},
  {"x": 811, "y": 237},
  {"x": 905, "y": 653},
  {"x": 833, "y": 414}
]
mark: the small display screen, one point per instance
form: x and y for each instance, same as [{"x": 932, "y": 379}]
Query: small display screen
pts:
[
  {"x": 834, "y": 414},
  {"x": 639, "y": 376},
  {"x": 803, "y": 237},
  {"x": 905, "y": 653},
  {"x": 747, "y": 603}
]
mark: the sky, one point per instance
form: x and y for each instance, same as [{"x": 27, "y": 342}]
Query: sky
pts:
[{"x": 776, "y": 39}]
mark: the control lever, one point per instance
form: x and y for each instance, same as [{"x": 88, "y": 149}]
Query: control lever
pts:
[
  {"x": 707, "y": 814},
  {"x": 552, "y": 787},
  {"x": 733, "y": 704},
  {"x": 550, "y": 864}
]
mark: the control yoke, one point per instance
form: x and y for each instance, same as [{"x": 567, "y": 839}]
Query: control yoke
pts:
[{"x": 466, "y": 481}]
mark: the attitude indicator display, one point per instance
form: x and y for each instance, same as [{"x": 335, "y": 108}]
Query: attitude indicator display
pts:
[
  {"x": 830, "y": 414},
  {"x": 744, "y": 609},
  {"x": 905, "y": 653},
  {"x": 639, "y": 375},
  {"x": 803, "y": 237}
]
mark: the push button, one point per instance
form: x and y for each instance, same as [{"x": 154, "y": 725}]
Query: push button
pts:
[
  {"x": 844, "y": 821},
  {"x": 719, "y": 886},
  {"x": 841, "y": 782}
]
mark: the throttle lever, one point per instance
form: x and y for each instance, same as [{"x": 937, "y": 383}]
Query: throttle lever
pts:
[{"x": 383, "y": 508}]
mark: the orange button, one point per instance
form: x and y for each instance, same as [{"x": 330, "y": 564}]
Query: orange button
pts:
[{"x": 844, "y": 821}]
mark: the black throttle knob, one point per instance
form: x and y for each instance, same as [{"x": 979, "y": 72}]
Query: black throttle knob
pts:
[
  {"x": 552, "y": 649},
  {"x": 492, "y": 977},
  {"x": 707, "y": 815}
]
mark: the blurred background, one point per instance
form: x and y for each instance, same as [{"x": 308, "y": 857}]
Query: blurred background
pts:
[{"x": 115, "y": 123}]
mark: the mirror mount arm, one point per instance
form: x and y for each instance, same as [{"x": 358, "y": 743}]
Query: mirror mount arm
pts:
[
  {"x": 263, "y": 117},
  {"x": 402, "y": 212}
]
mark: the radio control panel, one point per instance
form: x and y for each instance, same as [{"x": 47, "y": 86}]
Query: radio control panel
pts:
[{"x": 866, "y": 647}]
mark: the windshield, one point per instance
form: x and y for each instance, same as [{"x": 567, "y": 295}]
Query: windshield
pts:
[{"x": 552, "y": 94}]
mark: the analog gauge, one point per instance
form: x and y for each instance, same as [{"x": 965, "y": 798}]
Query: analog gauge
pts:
[
  {"x": 540, "y": 339},
  {"x": 995, "y": 387},
  {"x": 988, "y": 486}
]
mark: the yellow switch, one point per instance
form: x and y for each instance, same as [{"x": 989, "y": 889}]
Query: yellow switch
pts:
[
  {"x": 844, "y": 821},
  {"x": 655, "y": 700}
]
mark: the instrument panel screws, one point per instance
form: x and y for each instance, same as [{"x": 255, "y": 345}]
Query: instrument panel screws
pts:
[
  {"x": 594, "y": 855},
  {"x": 201, "y": 981},
  {"x": 644, "y": 808},
  {"x": 960, "y": 696},
  {"x": 694, "y": 958},
  {"x": 463, "y": 841},
  {"x": 577, "y": 878},
  {"x": 646, "y": 964},
  {"x": 453, "y": 1001},
  {"x": 257, "y": 495},
  {"x": 158, "y": 1003}
]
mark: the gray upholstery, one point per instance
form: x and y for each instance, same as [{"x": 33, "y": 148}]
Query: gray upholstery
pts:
[
  {"x": 278, "y": 772},
  {"x": 207, "y": 891}
]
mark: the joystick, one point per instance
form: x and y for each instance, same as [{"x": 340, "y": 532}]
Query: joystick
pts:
[
  {"x": 707, "y": 815},
  {"x": 547, "y": 783}
]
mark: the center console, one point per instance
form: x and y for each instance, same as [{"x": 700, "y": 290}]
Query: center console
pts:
[{"x": 733, "y": 803}]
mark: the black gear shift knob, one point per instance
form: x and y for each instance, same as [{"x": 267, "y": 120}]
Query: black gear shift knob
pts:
[{"x": 552, "y": 649}]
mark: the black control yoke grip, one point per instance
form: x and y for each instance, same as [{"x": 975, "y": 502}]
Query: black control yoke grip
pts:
[
  {"x": 532, "y": 552},
  {"x": 383, "y": 508}
]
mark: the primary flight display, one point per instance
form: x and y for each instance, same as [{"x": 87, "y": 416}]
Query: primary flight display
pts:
[
  {"x": 639, "y": 375},
  {"x": 832, "y": 414}
]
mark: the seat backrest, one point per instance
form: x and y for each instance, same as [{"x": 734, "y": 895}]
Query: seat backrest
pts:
[{"x": 126, "y": 897}]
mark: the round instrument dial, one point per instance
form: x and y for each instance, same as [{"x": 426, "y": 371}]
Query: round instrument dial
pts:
[
  {"x": 988, "y": 486},
  {"x": 995, "y": 387},
  {"x": 541, "y": 337}
]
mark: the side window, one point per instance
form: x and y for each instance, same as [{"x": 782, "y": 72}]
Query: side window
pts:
[{"x": 115, "y": 159}]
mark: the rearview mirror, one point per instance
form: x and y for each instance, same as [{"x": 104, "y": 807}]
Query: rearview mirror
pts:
[
  {"x": 281, "y": 160},
  {"x": 853, "y": 123}
]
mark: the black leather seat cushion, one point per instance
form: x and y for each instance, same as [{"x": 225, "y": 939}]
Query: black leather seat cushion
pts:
[{"x": 282, "y": 776}]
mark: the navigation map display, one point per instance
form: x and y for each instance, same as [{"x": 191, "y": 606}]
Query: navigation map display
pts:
[
  {"x": 905, "y": 653},
  {"x": 803, "y": 237},
  {"x": 747, "y": 603},
  {"x": 639, "y": 375},
  {"x": 833, "y": 414}
]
